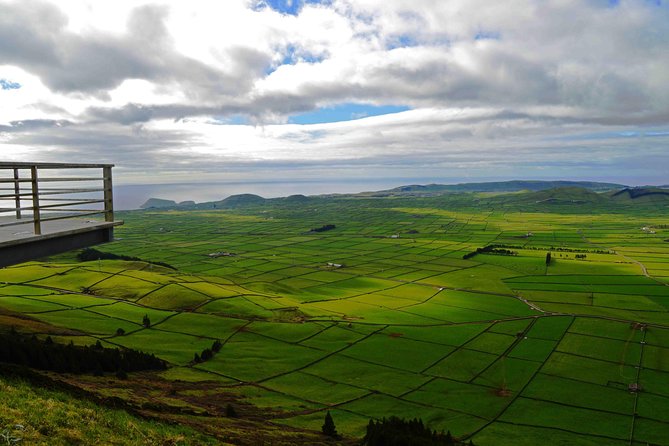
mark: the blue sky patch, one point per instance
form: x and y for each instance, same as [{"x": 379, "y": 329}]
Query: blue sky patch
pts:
[
  {"x": 9, "y": 85},
  {"x": 616, "y": 3},
  {"x": 291, "y": 7},
  {"x": 487, "y": 35},
  {"x": 402, "y": 41},
  {"x": 345, "y": 112},
  {"x": 230, "y": 120},
  {"x": 294, "y": 55},
  {"x": 612, "y": 135}
]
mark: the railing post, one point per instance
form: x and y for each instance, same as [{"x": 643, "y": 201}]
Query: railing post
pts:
[
  {"x": 108, "y": 193},
  {"x": 17, "y": 193},
  {"x": 35, "y": 193}
]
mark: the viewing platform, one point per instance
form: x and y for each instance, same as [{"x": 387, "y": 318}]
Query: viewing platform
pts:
[{"x": 49, "y": 208}]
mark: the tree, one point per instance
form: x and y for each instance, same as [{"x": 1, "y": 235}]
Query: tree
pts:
[
  {"x": 120, "y": 332},
  {"x": 206, "y": 355},
  {"x": 230, "y": 411},
  {"x": 146, "y": 321},
  {"x": 216, "y": 346},
  {"x": 328, "y": 427},
  {"x": 548, "y": 258}
]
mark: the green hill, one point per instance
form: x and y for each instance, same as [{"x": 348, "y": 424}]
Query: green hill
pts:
[
  {"x": 241, "y": 200},
  {"x": 560, "y": 195},
  {"x": 641, "y": 195}
]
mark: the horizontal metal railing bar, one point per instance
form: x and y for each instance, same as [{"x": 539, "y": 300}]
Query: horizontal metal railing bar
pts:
[
  {"x": 67, "y": 191},
  {"x": 72, "y": 212},
  {"x": 52, "y": 192},
  {"x": 80, "y": 200},
  {"x": 50, "y": 207},
  {"x": 25, "y": 165},
  {"x": 50, "y": 180},
  {"x": 22, "y": 194}
]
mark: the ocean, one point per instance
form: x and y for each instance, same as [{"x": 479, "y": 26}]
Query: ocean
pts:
[{"x": 132, "y": 196}]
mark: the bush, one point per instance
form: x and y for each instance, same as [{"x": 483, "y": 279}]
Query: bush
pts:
[{"x": 323, "y": 228}]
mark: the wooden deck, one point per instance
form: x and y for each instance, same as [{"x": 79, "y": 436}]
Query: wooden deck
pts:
[{"x": 19, "y": 243}]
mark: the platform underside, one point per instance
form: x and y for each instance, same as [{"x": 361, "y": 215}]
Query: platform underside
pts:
[{"x": 19, "y": 244}]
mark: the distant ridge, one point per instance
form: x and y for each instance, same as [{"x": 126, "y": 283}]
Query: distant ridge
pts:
[
  {"x": 560, "y": 192},
  {"x": 502, "y": 186}
]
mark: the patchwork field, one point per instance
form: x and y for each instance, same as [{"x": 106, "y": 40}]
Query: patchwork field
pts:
[{"x": 382, "y": 315}]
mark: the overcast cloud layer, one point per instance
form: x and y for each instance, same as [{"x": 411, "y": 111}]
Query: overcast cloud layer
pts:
[{"x": 209, "y": 90}]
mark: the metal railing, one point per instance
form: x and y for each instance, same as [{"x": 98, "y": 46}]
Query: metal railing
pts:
[{"x": 61, "y": 193}]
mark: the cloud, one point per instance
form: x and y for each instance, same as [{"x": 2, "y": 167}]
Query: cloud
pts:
[
  {"x": 34, "y": 36},
  {"x": 479, "y": 83}
]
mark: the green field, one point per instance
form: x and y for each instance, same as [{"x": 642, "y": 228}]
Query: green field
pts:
[{"x": 497, "y": 349}]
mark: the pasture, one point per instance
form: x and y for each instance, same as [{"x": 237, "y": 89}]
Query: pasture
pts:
[{"x": 382, "y": 315}]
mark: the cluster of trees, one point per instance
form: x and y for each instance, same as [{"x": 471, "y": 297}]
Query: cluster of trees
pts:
[
  {"x": 323, "y": 228},
  {"x": 395, "y": 431},
  {"x": 558, "y": 249},
  {"x": 580, "y": 256},
  {"x": 48, "y": 355},
  {"x": 499, "y": 250},
  {"x": 596, "y": 251},
  {"x": 90, "y": 254},
  {"x": 208, "y": 353}
]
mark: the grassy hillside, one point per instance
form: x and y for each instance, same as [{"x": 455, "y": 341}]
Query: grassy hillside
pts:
[{"x": 53, "y": 418}]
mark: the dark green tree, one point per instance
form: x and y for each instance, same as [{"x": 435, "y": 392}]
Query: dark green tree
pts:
[
  {"x": 206, "y": 355},
  {"x": 216, "y": 346},
  {"x": 548, "y": 258},
  {"x": 146, "y": 321},
  {"x": 328, "y": 427},
  {"x": 230, "y": 411}
]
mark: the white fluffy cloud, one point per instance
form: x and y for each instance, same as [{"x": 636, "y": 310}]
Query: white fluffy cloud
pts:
[{"x": 521, "y": 88}]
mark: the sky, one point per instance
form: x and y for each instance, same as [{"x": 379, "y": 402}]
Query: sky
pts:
[{"x": 339, "y": 90}]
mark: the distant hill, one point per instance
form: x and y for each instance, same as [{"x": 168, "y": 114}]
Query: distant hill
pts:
[
  {"x": 158, "y": 203},
  {"x": 500, "y": 186},
  {"x": 299, "y": 198},
  {"x": 641, "y": 194},
  {"x": 558, "y": 195},
  {"x": 241, "y": 200}
]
